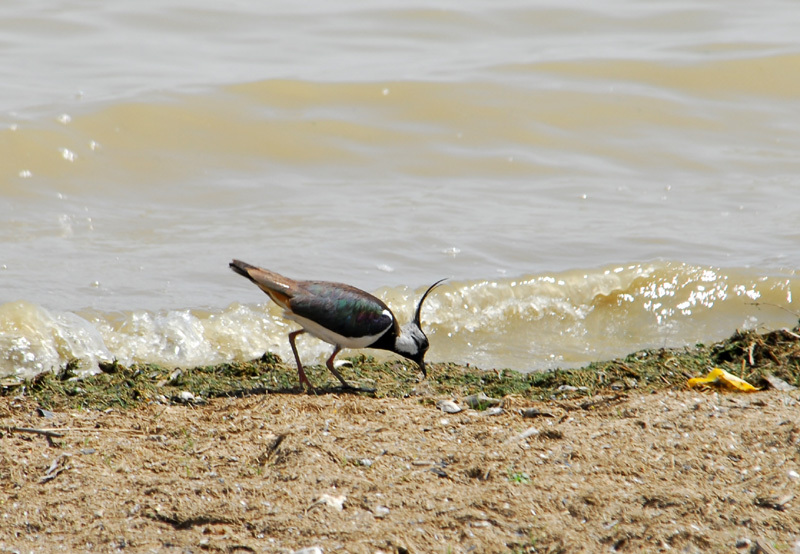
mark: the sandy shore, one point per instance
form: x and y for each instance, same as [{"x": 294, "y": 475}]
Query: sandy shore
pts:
[{"x": 629, "y": 471}]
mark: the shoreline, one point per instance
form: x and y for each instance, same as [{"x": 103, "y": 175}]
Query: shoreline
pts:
[
  {"x": 616, "y": 456},
  {"x": 748, "y": 355}
]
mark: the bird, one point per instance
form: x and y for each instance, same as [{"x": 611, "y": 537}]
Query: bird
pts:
[{"x": 341, "y": 315}]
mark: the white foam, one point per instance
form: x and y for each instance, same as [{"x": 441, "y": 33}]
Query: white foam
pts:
[
  {"x": 533, "y": 322},
  {"x": 34, "y": 340}
]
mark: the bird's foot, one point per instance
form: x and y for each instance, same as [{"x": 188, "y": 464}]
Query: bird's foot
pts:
[{"x": 306, "y": 385}]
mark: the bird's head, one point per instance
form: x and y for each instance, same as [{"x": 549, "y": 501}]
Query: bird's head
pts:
[{"x": 412, "y": 342}]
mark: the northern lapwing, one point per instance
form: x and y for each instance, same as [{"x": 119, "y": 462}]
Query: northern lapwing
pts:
[{"x": 341, "y": 315}]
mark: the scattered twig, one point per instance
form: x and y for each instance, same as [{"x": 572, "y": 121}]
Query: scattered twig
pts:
[
  {"x": 45, "y": 432},
  {"x": 784, "y": 308},
  {"x": 594, "y": 402},
  {"x": 60, "y": 432},
  {"x": 630, "y": 371},
  {"x": 772, "y": 356},
  {"x": 180, "y": 521},
  {"x": 788, "y": 332}
]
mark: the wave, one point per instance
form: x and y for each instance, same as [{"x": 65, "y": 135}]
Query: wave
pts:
[{"x": 530, "y": 323}]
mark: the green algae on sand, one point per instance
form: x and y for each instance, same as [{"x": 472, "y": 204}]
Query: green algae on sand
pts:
[{"x": 749, "y": 355}]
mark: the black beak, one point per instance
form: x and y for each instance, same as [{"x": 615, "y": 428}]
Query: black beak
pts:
[{"x": 421, "y": 364}]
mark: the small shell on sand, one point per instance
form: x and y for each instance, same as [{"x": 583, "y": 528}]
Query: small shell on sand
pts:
[
  {"x": 535, "y": 412},
  {"x": 325, "y": 499},
  {"x": 481, "y": 401},
  {"x": 448, "y": 406},
  {"x": 529, "y": 432},
  {"x": 309, "y": 550}
]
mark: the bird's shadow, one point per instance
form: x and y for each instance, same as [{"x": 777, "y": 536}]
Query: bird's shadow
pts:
[
  {"x": 298, "y": 390},
  {"x": 340, "y": 389}
]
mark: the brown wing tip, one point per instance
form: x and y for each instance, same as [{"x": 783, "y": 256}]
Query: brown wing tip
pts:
[
  {"x": 241, "y": 267},
  {"x": 268, "y": 281},
  {"x": 244, "y": 269}
]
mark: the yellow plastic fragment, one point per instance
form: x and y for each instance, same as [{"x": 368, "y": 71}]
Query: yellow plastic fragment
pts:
[{"x": 722, "y": 377}]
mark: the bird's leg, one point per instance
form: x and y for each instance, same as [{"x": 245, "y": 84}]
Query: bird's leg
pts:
[
  {"x": 302, "y": 374},
  {"x": 329, "y": 363}
]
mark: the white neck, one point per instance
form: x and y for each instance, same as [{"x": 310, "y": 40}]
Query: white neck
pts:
[{"x": 409, "y": 340}]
